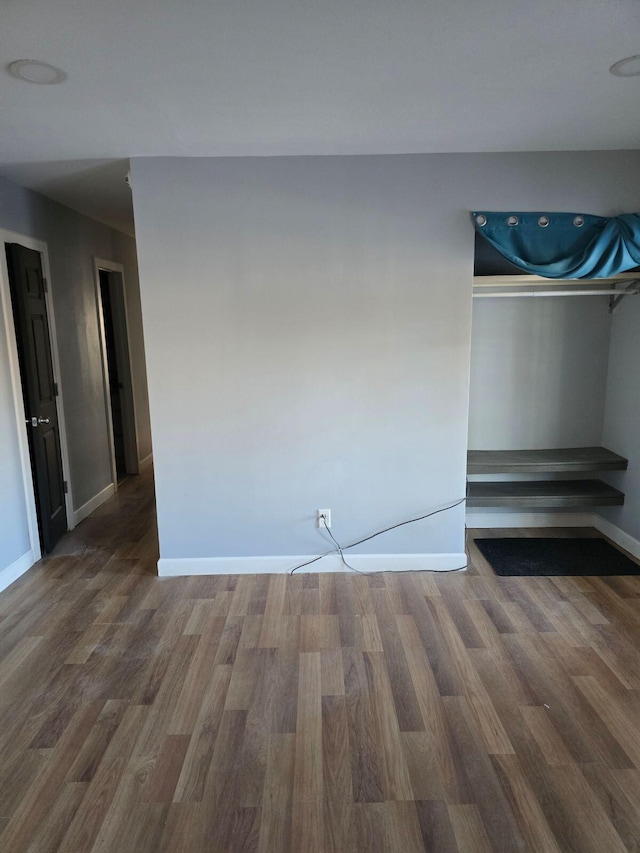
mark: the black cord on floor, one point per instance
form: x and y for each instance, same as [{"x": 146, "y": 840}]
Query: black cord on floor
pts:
[{"x": 340, "y": 549}]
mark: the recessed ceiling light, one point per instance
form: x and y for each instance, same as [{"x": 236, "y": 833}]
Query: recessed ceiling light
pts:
[
  {"x": 36, "y": 72},
  {"x": 629, "y": 67}
]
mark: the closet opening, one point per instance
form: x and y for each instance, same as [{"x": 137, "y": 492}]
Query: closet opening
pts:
[{"x": 539, "y": 369}]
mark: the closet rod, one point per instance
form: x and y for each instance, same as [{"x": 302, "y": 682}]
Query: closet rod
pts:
[{"x": 483, "y": 295}]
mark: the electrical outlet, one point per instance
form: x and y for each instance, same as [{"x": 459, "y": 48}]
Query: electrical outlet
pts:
[{"x": 324, "y": 518}]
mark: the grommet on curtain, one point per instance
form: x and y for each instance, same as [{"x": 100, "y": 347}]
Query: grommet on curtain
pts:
[
  {"x": 558, "y": 245},
  {"x": 481, "y": 219}
]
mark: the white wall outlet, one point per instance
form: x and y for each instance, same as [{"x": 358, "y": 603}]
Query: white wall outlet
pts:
[{"x": 324, "y": 518}]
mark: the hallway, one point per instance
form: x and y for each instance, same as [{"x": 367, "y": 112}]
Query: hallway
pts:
[{"x": 313, "y": 712}]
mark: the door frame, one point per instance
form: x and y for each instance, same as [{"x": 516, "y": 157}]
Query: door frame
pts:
[
  {"x": 130, "y": 420},
  {"x": 16, "y": 384}
]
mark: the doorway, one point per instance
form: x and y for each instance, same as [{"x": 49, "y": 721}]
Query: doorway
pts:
[
  {"x": 35, "y": 377},
  {"x": 117, "y": 373}
]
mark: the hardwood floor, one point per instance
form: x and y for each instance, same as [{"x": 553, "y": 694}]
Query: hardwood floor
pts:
[{"x": 314, "y": 712}]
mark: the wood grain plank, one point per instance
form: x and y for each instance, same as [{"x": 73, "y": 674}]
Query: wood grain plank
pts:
[
  {"x": 370, "y": 826},
  {"x": 618, "y": 800},
  {"x": 308, "y": 766},
  {"x": 368, "y": 633},
  {"x": 420, "y": 758},
  {"x": 199, "y": 755},
  {"x": 366, "y": 761},
  {"x": 589, "y": 824},
  {"x": 277, "y": 799},
  {"x": 493, "y": 732},
  {"x": 623, "y": 728},
  {"x": 469, "y": 830},
  {"x": 321, "y": 712},
  {"x": 396, "y": 782},
  {"x": 336, "y": 776},
  {"x": 551, "y": 745},
  {"x": 162, "y": 782},
  {"x": 525, "y": 806},
  {"x": 42, "y": 794},
  {"x": 50, "y": 831},
  {"x": 307, "y": 821},
  {"x": 187, "y": 707},
  {"x": 332, "y": 670},
  {"x": 274, "y": 609},
  {"x": 94, "y": 809},
  {"x": 431, "y": 706},
  {"x": 319, "y": 632},
  {"x": 435, "y": 826},
  {"x": 403, "y": 827},
  {"x": 473, "y": 764},
  {"x": 19, "y": 655},
  {"x": 404, "y": 696},
  {"x": 252, "y": 759}
]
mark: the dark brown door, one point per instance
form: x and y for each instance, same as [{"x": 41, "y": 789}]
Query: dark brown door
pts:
[
  {"x": 38, "y": 389},
  {"x": 113, "y": 369}
]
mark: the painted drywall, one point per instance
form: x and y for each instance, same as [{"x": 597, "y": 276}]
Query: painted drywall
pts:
[
  {"x": 538, "y": 372},
  {"x": 73, "y": 241},
  {"x": 622, "y": 413},
  {"x": 307, "y": 328},
  {"x": 14, "y": 539}
]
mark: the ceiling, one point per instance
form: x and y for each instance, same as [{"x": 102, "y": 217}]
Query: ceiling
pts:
[{"x": 267, "y": 77}]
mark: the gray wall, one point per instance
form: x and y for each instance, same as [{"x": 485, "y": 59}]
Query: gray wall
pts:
[
  {"x": 73, "y": 241},
  {"x": 622, "y": 412},
  {"x": 538, "y": 372},
  {"x": 14, "y": 535},
  {"x": 307, "y": 323}
]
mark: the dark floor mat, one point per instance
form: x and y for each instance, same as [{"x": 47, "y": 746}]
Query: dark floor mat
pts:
[{"x": 554, "y": 557}]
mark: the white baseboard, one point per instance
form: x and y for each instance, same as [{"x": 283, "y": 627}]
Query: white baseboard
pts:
[
  {"x": 93, "y": 504},
  {"x": 613, "y": 532},
  {"x": 530, "y": 519},
  {"x": 176, "y": 567},
  {"x": 145, "y": 463},
  {"x": 11, "y": 573}
]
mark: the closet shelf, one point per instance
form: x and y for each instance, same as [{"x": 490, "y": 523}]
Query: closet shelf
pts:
[
  {"x": 543, "y": 493},
  {"x": 560, "y": 460}
]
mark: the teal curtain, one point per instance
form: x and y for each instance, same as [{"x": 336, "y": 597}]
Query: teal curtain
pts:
[{"x": 563, "y": 245}]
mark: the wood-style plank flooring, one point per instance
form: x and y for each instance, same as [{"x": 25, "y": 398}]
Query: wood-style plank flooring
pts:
[{"x": 314, "y": 712}]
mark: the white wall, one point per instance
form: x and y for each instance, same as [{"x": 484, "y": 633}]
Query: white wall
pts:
[
  {"x": 538, "y": 372},
  {"x": 622, "y": 413},
  {"x": 73, "y": 241},
  {"x": 307, "y": 323}
]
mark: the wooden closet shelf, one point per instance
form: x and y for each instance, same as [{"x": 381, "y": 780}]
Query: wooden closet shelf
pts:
[
  {"x": 544, "y": 461},
  {"x": 544, "y": 493}
]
